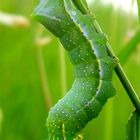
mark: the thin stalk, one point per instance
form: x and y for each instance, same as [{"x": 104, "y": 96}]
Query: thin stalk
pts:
[
  {"x": 39, "y": 43},
  {"x": 128, "y": 87},
  {"x": 44, "y": 79},
  {"x": 119, "y": 70},
  {"x": 1, "y": 120},
  {"x": 138, "y": 3}
]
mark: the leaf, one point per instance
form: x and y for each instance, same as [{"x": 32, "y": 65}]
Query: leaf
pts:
[{"x": 133, "y": 127}]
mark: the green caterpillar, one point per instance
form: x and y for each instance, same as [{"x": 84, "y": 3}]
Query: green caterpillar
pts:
[{"x": 93, "y": 67}]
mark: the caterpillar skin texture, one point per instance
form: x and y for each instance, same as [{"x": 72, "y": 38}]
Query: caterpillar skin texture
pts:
[{"x": 93, "y": 67}]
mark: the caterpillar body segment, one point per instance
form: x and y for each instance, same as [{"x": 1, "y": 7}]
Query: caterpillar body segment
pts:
[{"x": 93, "y": 67}]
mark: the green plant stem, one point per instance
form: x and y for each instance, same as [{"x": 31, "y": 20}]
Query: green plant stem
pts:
[
  {"x": 128, "y": 87},
  {"x": 118, "y": 69}
]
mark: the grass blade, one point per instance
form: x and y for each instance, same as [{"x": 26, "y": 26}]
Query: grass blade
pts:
[
  {"x": 129, "y": 48},
  {"x": 133, "y": 127}
]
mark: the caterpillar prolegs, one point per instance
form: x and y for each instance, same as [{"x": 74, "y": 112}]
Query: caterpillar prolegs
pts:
[{"x": 93, "y": 67}]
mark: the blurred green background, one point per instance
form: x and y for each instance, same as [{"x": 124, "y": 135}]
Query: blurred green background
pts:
[{"x": 35, "y": 72}]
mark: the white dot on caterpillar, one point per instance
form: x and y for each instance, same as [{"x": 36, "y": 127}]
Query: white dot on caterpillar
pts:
[{"x": 84, "y": 60}]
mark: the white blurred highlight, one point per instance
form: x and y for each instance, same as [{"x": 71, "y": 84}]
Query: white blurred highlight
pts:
[
  {"x": 13, "y": 20},
  {"x": 126, "y": 5}
]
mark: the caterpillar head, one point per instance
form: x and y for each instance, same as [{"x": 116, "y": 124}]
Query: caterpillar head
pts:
[{"x": 51, "y": 14}]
